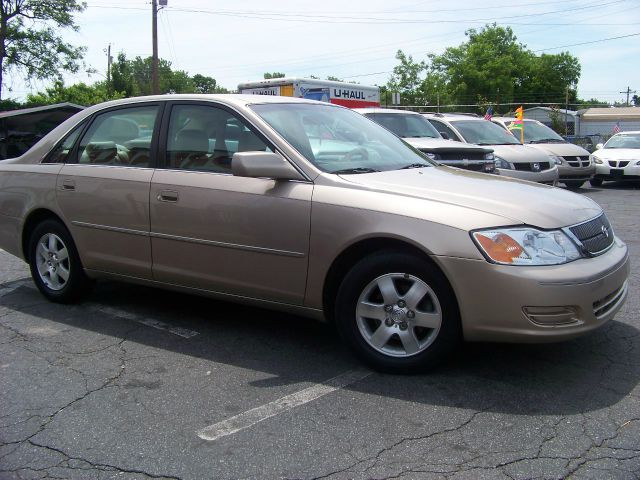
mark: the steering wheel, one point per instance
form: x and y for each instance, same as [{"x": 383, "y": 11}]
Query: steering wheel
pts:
[{"x": 359, "y": 152}]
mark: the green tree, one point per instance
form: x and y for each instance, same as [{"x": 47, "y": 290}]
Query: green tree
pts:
[
  {"x": 133, "y": 77},
  {"x": 30, "y": 42},
  {"x": 557, "y": 120},
  {"x": 592, "y": 102},
  {"x": 493, "y": 67},
  {"x": 79, "y": 93},
  {"x": 269, "y": 75},
  {"x": 407, "y": 79},
  {"x": 204, "y": 84}
]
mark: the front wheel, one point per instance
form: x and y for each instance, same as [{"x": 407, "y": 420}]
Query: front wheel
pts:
[
  {"x": 574, "y": 184},
  {"x": 55, "y": 264},
  {"x": 596, "y": 182},
  {"x": 398, "y": 313}
]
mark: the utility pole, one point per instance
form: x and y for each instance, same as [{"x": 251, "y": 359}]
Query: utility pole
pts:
[
  {"x": 566, "y": 111},
  {"x": 109, "y": 60},
  {"x": 628, "y": 91},
  {"x": 155, "y": 87}
]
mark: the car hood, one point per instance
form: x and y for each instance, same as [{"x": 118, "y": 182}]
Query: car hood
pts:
[
  {"x": 618, "y": 153},
  {"x": 560, "y": 149},
  {"x": 519, "y": 153},
  {"x": 440, "y": 144},
  {"x": 514, "y": 200}
]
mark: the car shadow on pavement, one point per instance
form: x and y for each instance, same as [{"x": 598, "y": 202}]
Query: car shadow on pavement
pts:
[{"x": 578, "y": 376}]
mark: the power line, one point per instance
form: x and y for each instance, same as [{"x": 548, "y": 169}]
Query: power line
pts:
[{"x": 588, "y": 43}]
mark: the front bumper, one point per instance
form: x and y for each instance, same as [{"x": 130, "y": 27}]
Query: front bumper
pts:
[
  {"x": 576, "y": 173},
  {"x": 630, "y": 172},
  {"x": 531, "y": 304},
  {"x": 549, "y": 176}
]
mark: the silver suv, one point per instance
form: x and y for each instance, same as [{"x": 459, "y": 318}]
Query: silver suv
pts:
[
  {"x": 574, "y": 165},
  {"x": 512, "y": 158},
  {"x": 419, "y": 133}
]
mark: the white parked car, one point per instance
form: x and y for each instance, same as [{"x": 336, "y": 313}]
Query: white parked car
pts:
[
  {"x": 414, "y": 129},
  {"x": 574, "y": 165},
  {"x": 618, "y": 159},
  {"x": 512, "y": 158}
]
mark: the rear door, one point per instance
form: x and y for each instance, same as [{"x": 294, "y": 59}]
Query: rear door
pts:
[
  {"x": 103, "y": 191},
  {"x": 215, "y": 231}
]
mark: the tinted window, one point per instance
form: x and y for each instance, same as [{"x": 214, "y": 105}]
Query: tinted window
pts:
[
  {"x": 120, "y": 137},
  {"x": 441, "y": 127},
  {"x": 62, "y": 151},
  {"x": 205, "y": 138},
  {"x": 484, "y": 132},
  {"x": 405, "y": 125},
  {"x": 535, "y": 132}
]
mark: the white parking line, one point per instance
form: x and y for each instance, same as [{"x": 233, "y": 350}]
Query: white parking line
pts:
[
  {"x": 255, "y": 415},
  {"x": 149, "y": 322}
]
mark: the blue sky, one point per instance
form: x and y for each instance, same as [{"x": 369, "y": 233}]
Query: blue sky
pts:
[{"x": 356, "y": 40}]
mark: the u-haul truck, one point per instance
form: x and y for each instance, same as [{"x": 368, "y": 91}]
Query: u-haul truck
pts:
[{"x": 341, "y": 93}]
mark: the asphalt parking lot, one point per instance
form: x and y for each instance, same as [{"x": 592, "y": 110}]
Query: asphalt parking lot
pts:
[{"x": 139, "y": 383}]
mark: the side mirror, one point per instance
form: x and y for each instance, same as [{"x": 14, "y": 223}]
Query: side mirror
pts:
[
  {"x": 263, "y": 164},
  {"x": 444, "y": 135},
  {"x": 599, "y": 146}
]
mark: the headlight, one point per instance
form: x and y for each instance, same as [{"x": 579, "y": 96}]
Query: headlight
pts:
[
  {"x": 638, "y": 162},
  {"x": 596, "y": 160},
  {"x": 526, "y": 246},
  {"x": 557, "y": 159},
  {"x": 502, "y": 163},
  {"x": 489, "y": 156}
]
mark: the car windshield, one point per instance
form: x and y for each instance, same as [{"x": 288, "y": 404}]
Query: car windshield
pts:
[
  {"x": 338, "y": 140},
  {"x": 535, "y": 132},
  {"x": 624, "y": 140},
  {"x": 484, "y": 132},
  {"x": 405, "y": 125}
]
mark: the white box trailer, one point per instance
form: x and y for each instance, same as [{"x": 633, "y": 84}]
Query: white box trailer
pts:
[{"x": 346, "y": 94}]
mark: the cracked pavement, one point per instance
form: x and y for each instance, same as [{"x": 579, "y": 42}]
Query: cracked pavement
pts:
[{"x": 86, "y": 393}]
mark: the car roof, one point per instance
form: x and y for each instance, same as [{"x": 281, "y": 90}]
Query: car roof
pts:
[
  {"x": 634, "y": 132},
  {"x": 232, "y": 99},
  {"x": 511, "y": 119},
  {"x": 383, "y": 110},
  {"x": 447, "y": 117}
]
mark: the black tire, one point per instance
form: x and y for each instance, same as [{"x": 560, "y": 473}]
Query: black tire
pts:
[
  {"x": 404, "y": 271},
  {"x": 573, "y": 184},
  {"x": 596, "y": 182},
  {"x": 52, "y": 284}
]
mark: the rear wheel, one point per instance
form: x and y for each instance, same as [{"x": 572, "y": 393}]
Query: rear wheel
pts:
[
  {"x": 55, "y": 264},
  {"x": 595, "y": 182},
  {"x": 398, "y": 313},
  {"x": 573, "y": 184}
]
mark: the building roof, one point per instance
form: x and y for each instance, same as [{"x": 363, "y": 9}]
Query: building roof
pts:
[
  {"x": 610, "y": 113},
  {"x": 549, "y": 109}
]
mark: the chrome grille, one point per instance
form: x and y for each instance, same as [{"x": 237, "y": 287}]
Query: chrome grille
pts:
[
  {"x": 595, "y": 235},
  {"x": 582, "y": 161},
  {"x": 618, "y": 164},
  {"x": 528, "y": 167}
]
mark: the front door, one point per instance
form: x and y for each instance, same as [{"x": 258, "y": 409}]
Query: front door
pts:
[{"x": 214, "y": 231}]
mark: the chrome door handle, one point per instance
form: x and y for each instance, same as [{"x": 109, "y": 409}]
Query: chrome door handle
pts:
[
  {"x": 168, "y": 196},
  {"x": 68, "y": 185}
]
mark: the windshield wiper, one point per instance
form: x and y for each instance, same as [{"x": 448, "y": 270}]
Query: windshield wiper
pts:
[
  {"x": 547, "y": 140},
  {"x": 415, "y": 165},
  {"x": 356, "y": 170}
]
